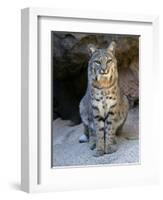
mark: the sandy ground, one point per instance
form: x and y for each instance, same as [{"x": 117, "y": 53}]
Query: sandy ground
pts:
[{"x": 67, "y": 151}]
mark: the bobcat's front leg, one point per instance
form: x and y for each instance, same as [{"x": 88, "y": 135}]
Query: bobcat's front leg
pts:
[
  {"x": 100, "y": 143},
  {"x": 92, "y": 139},
  {"x": 110, "y": 143}
]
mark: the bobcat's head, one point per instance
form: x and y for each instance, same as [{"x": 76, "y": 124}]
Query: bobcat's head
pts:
[{"x": 103, "y": 66}]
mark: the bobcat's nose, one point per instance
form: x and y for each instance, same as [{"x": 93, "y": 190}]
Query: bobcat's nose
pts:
[{"x": 103, "y": 71}]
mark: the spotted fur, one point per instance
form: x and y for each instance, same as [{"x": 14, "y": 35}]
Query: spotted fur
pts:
[{"x": 103, "y": 109}]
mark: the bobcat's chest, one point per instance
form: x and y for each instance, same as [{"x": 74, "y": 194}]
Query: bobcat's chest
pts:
[{"x": 102, "y": 101}]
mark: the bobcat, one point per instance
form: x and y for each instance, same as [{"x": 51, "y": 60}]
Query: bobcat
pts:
[{"x": 103, "y": 109}]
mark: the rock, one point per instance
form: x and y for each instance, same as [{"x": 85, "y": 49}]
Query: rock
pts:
[
  {"x": 130, "y": 130},
  {"x": 70, "y": 60}
]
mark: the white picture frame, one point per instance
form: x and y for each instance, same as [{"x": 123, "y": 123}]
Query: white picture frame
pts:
[{"x": 36, "y": 171}]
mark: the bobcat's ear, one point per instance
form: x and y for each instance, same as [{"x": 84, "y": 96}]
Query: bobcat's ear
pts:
[
  {"x": 91, "y": 49},
  {"x": 111, "y": 48}
]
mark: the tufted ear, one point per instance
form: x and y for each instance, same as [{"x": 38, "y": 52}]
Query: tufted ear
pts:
[
  {"x": 111, "y": 48},
  {"x": 91, "y": 49}
]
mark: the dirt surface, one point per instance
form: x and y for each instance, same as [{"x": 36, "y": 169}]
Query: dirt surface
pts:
[{"x": 67, "y": 151}]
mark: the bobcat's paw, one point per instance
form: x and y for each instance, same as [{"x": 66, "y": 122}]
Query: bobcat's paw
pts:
[
  {"x": 83, "y": 138},
  {"x": 92, "y": 145},
  {"x": 111, "y": 148},
  {"x": 98, "y": 153}
]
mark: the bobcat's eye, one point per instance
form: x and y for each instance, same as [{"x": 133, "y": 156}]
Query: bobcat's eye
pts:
[
  {"x": 109, "y": 61},
  {"x": 97, "y": 62}
]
